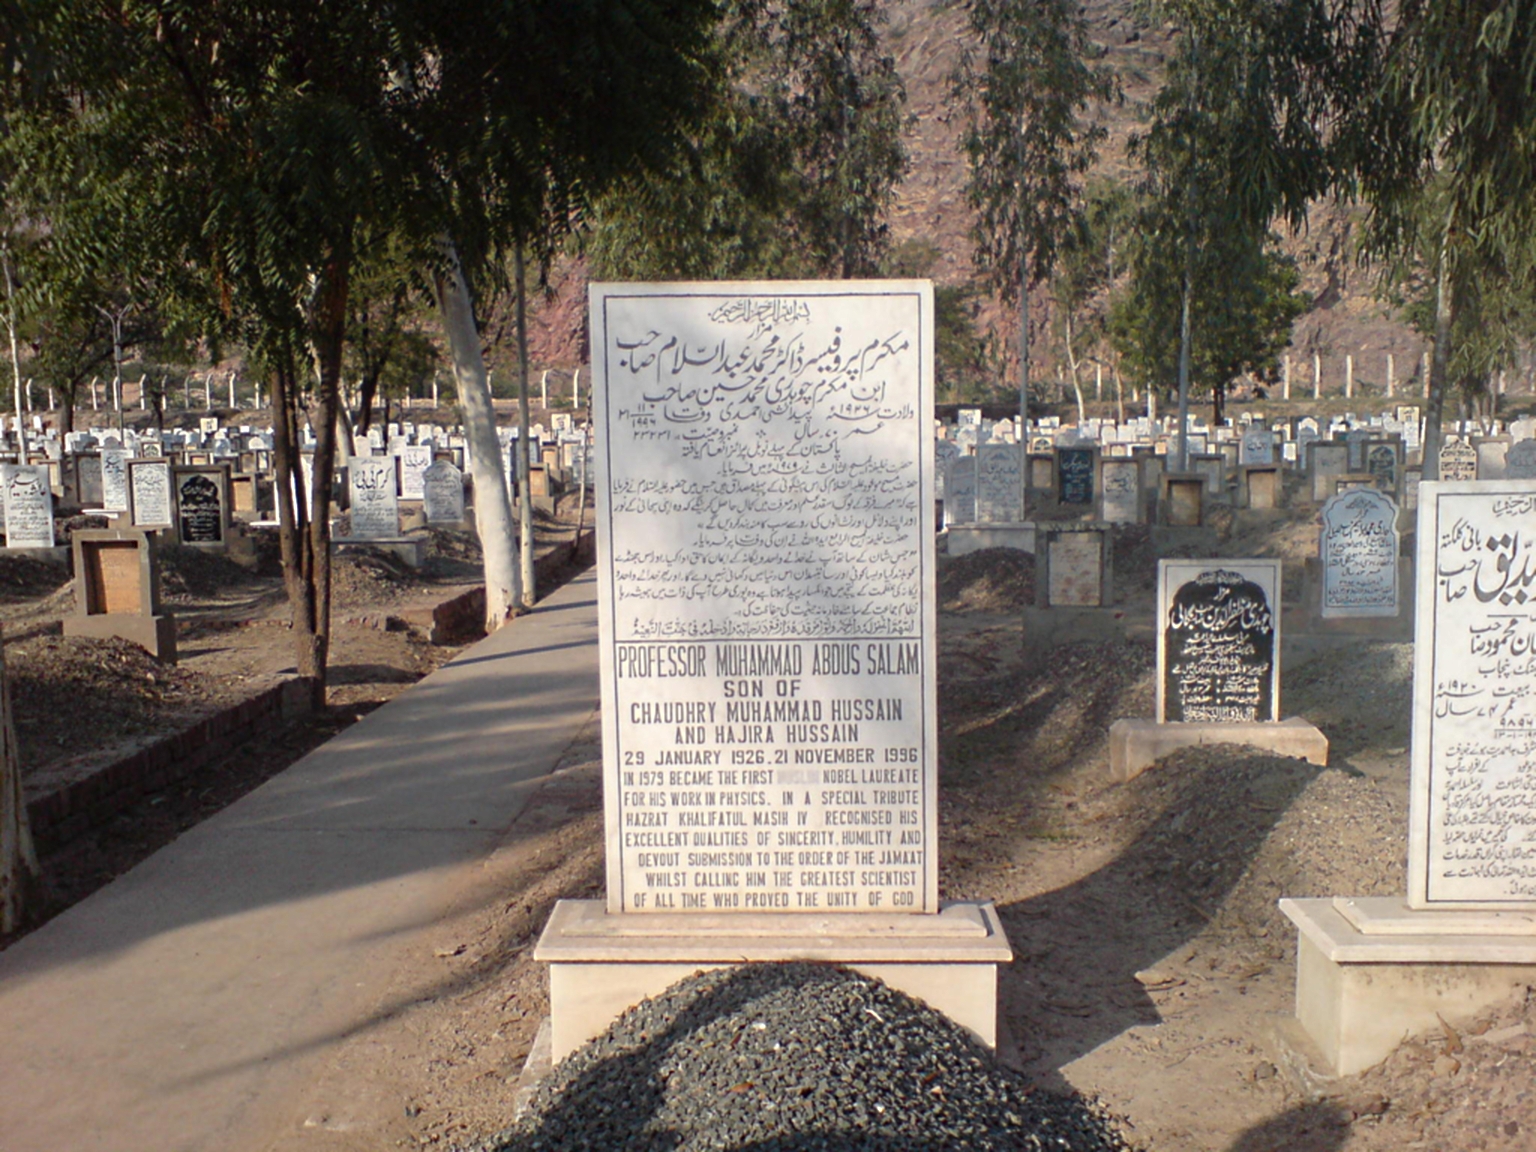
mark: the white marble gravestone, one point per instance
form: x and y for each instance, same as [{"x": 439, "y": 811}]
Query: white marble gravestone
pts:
[
  {"x": 999, "y": 480},
  {"x": 442, "y": 487},
  {"x": 766, "y": 602},
  {"x": 1458, "y": 461},
  {"x": 1121, "y": 502},
  {"x": 1472, "y": 805},
  {"x": 1358, "y": 549},
  {"x": 149, "y": 489},
  {"x": 415, "y": 459},
  {"x": 960, "y": 491},
  {"x": 28, "y": 506},
  {"x": 1218, "y": 641},
  {"x": 375, "y": 508},
  {"x": 114, "y": 479}
]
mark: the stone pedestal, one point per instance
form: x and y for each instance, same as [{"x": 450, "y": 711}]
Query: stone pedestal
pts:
[
  {"x": 602, "y": 964},
  {"x": 1136, "y": 745},
  {"x": 1370, "y": 972}
]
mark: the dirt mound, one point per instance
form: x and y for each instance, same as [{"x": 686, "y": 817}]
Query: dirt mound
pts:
[
  {"x": 991, "y": 580},
  {"x": 67, "y": 692},
  {"x": 364, "y": 575},
  {"x": 192, "y": 572},
  {"x": 22, "y": 577},
  {"x": 1230, "y": 830}
]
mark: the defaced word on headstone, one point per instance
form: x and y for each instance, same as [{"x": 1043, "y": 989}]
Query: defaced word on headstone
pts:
[{"x": 767, "y": 660}]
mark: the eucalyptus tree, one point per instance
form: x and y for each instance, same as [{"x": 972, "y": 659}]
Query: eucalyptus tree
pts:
[
  {"x": 1029, "y": 84},
  {"x": 1452, "y": 122},
  {"x": 522, "y": 111},
  {"x": 1376, "y": 102}
]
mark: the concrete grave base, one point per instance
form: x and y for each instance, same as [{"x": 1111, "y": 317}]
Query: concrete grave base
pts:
[
  {"x": 1370, "y": 972},
  {"x": 1136, "y": 745},
  {"x": 155, "y": 634},
  {"x": 965, "y": 538},
  {"x": 600, "y": 965},
  {"x": 410, "y": 550}
]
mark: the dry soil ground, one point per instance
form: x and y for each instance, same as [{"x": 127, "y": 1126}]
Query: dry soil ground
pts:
[{"x": 1152, "y": 965}]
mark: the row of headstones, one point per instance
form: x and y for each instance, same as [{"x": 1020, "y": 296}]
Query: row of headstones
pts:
[
  {"x": 195, "y": 501},
  {"x": 987, "y": 486},
  {"x": 1218, "y": 660},
  {"x": 1358, "y": 547},
  {"x": 1291, "y": 435}
]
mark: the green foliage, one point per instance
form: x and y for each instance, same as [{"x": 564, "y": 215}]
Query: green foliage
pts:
[
  {"x": 1245, "y": 300},
  {"x": 789, "y": 167},
  {"x": 1026, "y": 87}
]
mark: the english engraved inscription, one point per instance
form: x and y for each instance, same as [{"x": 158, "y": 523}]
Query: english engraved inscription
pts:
[{"x": 766, "y": 600}]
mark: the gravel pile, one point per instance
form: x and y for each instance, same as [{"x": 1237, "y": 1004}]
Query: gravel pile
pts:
[{"x": 803, "y": 1057}]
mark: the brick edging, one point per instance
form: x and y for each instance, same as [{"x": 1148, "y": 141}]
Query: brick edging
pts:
[{"x": 93, "y": 800}]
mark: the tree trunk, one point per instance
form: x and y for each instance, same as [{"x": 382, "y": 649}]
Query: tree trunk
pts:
[
  {"x": 330, "y": 338},
  {"x": 1024, "y": 380},
  {"x": 293, "y": 515},
  {"x": 524, "y": 505},
  {"x": 1073, "y": 366},
  {"x": 20, "y": 876},
  {"x": 1440, "y": 362},
  {"x": 493, "y": 507},
  {"x": 1184, "y": 363}
]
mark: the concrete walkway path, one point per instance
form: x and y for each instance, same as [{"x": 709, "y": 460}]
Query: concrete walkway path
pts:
[{"x": 185, "y": 1005}]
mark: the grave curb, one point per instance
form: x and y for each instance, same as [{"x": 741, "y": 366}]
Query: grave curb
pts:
[{"x": 91, "y": 801}]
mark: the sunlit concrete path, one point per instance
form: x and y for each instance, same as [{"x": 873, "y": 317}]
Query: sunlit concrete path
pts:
[{"x": 185, "y": 1005}]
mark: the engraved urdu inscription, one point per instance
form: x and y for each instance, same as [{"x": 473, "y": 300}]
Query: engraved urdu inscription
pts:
[
  {"x": 150, "y": 484},
  {"x": 1359, "y": 554},
  {"x": 1472, "y": 812},
  {"x": 999, "y": 481},
  {"x": 375, "y": 508},
  {"x": 1218, "y": 640},
  {"x": 200, "y": 508},
  {"x": 766, "y": 596},
  {"x": 28, "y": 504},
  {"x": 1074, "y": 472}
]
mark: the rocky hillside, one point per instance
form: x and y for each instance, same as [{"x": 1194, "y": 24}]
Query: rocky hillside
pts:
[{"x": 927, "y": 38}]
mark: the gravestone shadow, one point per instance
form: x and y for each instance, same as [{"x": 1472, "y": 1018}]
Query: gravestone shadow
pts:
[{"x": 1078, "y": 949}]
